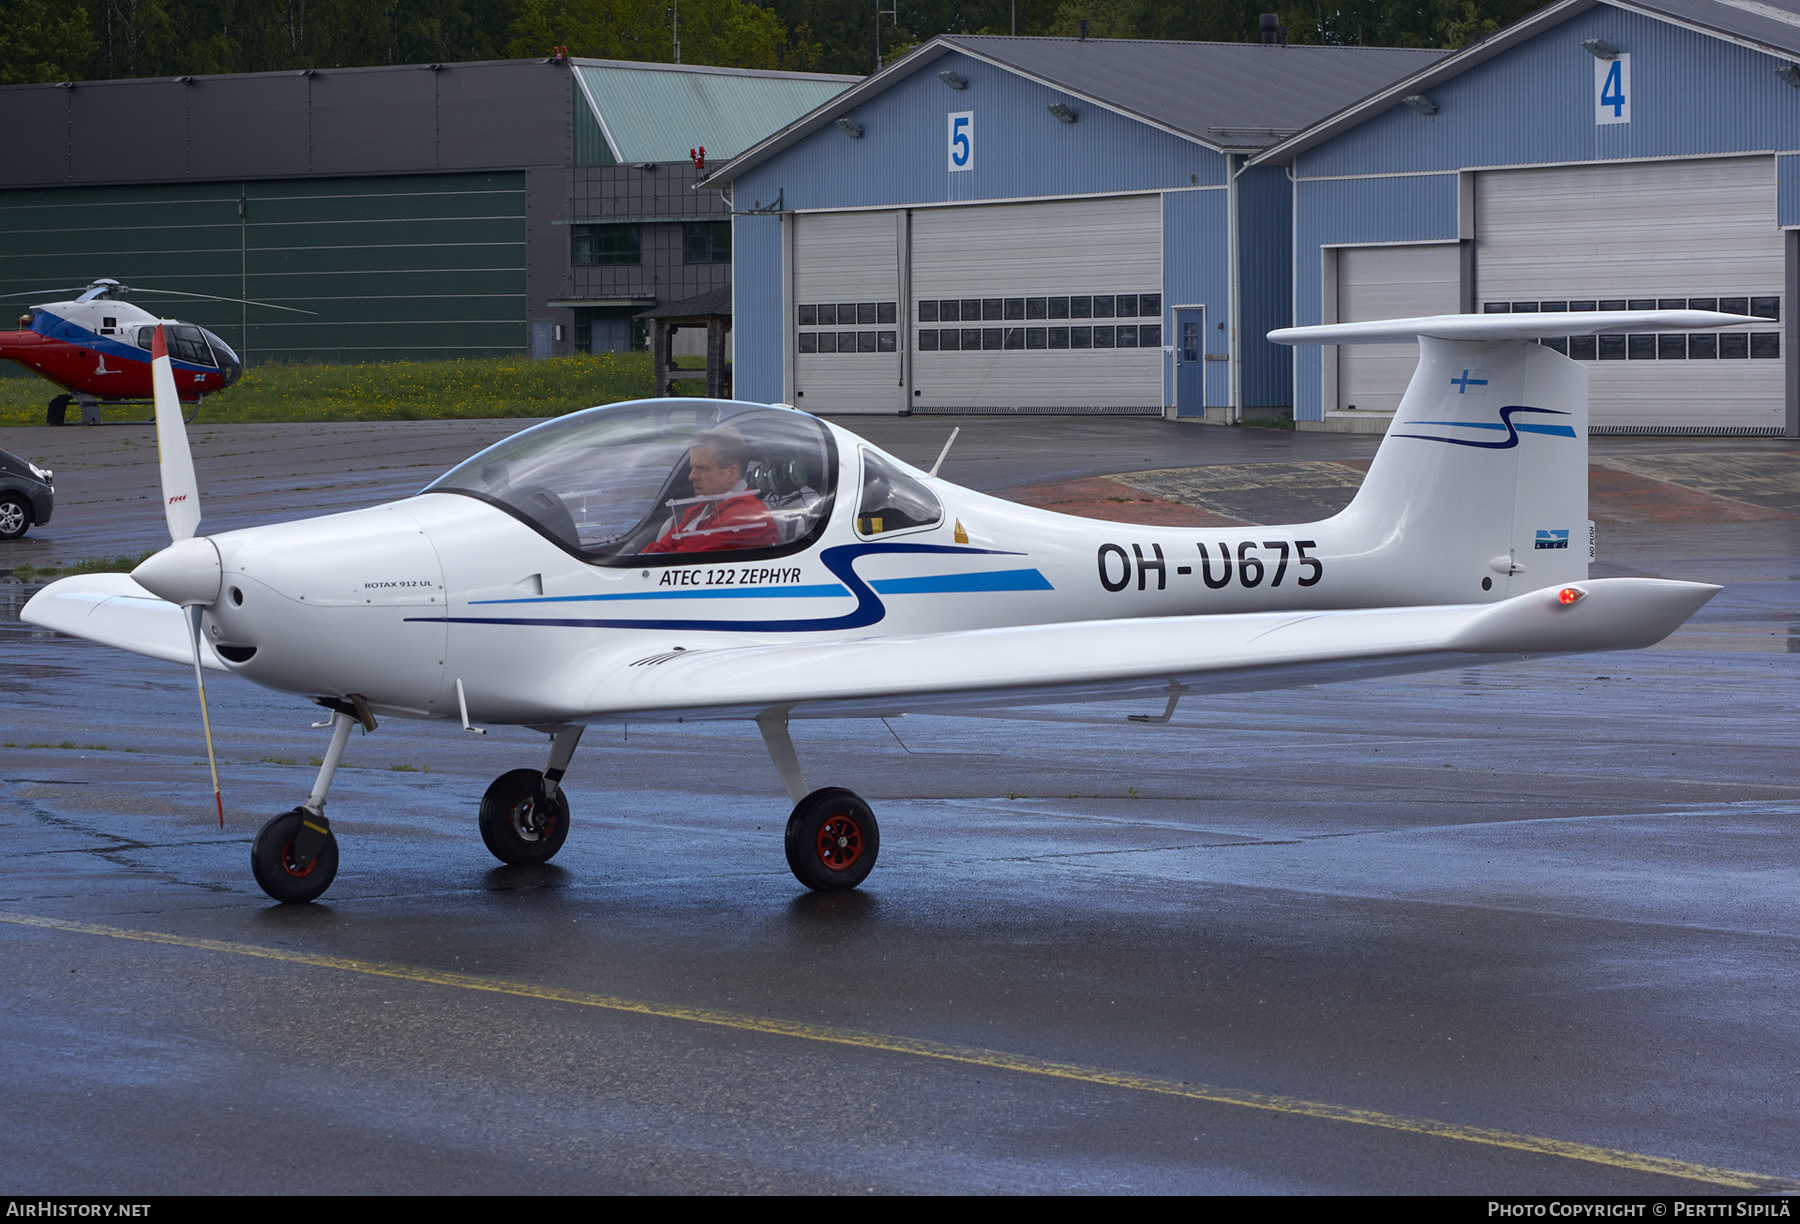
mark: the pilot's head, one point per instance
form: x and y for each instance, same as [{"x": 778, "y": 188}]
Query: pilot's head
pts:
[{"x": 716, "y": 461}]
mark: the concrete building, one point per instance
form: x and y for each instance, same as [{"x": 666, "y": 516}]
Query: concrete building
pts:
[
  {"x": 424, "y": 212},
  {"x": 1594, "y": 155},
  {"x": 1034, "y": 224}
]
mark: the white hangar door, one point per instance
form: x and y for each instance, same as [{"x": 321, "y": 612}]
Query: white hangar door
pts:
[
  {"x": 1038, "y": 306},
  {"x": 1388, "y": 282},
  {"x": 845, "y": 336},
  {"x": 1697, "y": 233}
]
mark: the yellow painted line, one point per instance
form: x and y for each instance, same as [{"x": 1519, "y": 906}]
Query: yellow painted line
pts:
[{"x": 969, "y": 1055}]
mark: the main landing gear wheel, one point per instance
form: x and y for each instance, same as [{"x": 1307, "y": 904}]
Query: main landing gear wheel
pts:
[
  {"x": 59, "y": 408},
  {"x": 518, "y": 823},
  {"x": 832, "y": 840},
  {"x": 273, "y": 863}
]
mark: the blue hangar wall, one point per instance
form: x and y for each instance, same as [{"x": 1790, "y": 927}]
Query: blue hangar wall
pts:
[
  {"x": 1022, "y": 155},
  {"x": 1702, "y": 171}
]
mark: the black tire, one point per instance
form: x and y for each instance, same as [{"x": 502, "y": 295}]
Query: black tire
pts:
[
  {"x": 15, "y": 516},
  {"x": 832, "y": 840},
  {"x": 271, "y": 861},
  {"x": 518, "y": 824},
  {"x": 59, "y": 407}
]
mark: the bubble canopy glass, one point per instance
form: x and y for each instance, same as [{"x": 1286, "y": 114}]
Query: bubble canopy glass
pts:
[{"x": 612, "y": 485}]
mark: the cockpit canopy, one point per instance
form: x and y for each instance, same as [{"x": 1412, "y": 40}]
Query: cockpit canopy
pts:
[{"x": 666, "y": 479}]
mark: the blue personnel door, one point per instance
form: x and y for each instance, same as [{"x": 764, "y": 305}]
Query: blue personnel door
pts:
[{"x": 1190, "y": 361}]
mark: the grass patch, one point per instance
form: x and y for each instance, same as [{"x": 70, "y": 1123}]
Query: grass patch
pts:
[
  {"x": 122, "y": 564},
  {"x": 395, "y": 391},
  {"x": 1278, "y": 421}
]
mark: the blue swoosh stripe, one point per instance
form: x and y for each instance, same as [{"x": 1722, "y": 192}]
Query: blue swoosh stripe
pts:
[
  {"x": 1506, "y": 422},
  {"x": 840, "y": 560},
  {"x": 991, "y": 580},
  {"x": 816, "y": 591}
]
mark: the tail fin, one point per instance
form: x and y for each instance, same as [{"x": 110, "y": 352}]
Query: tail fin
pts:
[
  {"x": 1483, "y": 472},
  {"x": 1484, "y": 469}
]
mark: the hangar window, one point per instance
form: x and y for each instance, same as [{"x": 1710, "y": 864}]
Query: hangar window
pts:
[
  {"x": 1612, "y": 348},
  {"x": 1103, "y": 306},
  {"x": 1671, "y": 346},
  {"x": 928, "y": 311},
  {"x": 1736, "y": 306},
  {"x": 1641, "y": 347},
  {"x": 706, "y": 242},
  {"x": 1765, "y": 344},
  {"x": 604, "y": 245},
  {"x": 1081, "y": 308},
  {"x": 1703, "y": 346},
  {"x": 1734, "y": 344},
  {"x": 1766, "y": 307},
  {"x": 1584, "y": 348}
]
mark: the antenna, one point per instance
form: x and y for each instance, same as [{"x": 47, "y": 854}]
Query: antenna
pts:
[
  {"x": 880, "y": 12},
  {"x": 948, "y": 443},
  {"x": 675, "y": 29}
]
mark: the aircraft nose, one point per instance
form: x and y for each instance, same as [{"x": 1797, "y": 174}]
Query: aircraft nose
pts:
[
  {"x": 187, "y": 572},
  {"x": 231, "y": 369}
]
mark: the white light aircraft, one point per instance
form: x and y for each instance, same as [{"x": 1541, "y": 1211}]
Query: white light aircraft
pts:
[{"x": 681, "y": 559}]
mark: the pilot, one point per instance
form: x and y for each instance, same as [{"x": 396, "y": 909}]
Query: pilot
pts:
[{"x": 724, "y": 513}]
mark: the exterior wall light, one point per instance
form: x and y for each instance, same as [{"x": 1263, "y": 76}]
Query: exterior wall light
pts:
[
  {"x": 1063, "y": 114},
  {"x": 1422, "y": 104},
  {"x": 1599, "y": 48},
  {"x": 1789, "y": 73},
  {"x": 852, "y": 129},
  {"x": 953, "y": 80}
]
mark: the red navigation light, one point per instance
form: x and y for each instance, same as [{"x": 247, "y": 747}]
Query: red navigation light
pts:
[{"x": 1569, "y": 595}]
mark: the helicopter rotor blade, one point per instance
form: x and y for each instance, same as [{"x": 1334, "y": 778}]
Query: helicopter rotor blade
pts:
[
  {"x": 214, "y": 297},
  {"x": 39, "y": 293}
]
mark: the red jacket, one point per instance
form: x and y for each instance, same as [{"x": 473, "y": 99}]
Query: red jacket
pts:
[{"x": 737, "y": 522}]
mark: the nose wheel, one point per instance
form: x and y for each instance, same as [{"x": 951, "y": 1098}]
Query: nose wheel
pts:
[
  {"x": 520, "y": 823},
  {"x": 832, "y": 840},
  {"x": 295, "y": 857}
]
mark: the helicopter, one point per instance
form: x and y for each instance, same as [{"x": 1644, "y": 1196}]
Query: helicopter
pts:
[{"x": 97, "y": 348}]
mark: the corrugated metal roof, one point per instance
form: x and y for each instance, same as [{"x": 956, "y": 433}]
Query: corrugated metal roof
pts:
[
  {"x": 1224, "y": 95},
  {"x": 656, "y": 113},
  {"x": 1236, "y": 95},
  {"x": 1766, "y": 25}
]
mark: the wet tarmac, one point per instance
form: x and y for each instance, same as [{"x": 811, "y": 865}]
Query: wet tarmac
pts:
[{"x": 1525, "y": 929}]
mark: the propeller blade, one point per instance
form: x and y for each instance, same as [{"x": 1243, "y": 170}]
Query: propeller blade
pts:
[
  {"x": 212, "y": 762},
  {"x": 213, "y": 297},
  {"x": 180, "y": 488}
]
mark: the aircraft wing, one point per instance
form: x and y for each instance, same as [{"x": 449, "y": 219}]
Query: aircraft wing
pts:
[
  {"x": 115, "y": 611},
  {"x": 1109, "y": 660}
]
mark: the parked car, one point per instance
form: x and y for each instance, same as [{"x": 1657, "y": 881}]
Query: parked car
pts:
[{"x": 27, "y": 495}]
